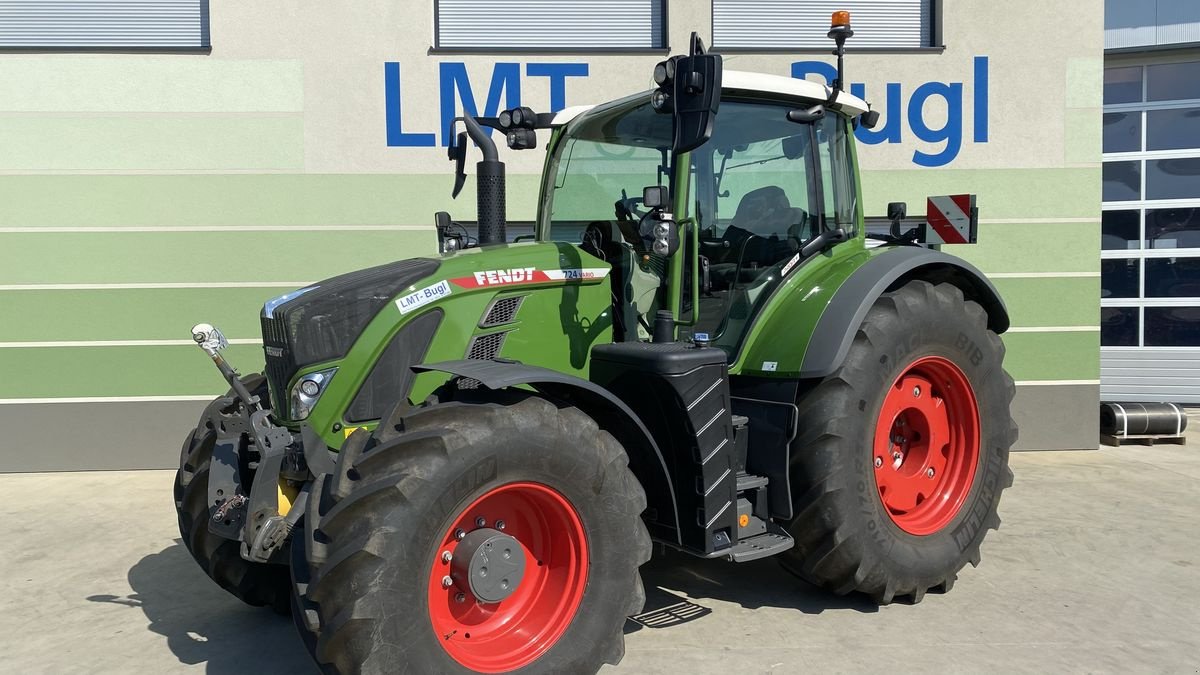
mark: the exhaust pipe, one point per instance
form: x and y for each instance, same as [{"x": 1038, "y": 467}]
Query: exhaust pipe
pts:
[{"x": 490, "y": 189}]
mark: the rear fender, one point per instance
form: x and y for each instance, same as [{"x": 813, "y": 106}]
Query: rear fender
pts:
[
  {"x": 645, "y": 459},
  {"x": 888, "y": 271}
]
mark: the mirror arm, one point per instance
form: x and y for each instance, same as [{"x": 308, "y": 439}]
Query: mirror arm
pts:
[{"x": 823, "y": 241}]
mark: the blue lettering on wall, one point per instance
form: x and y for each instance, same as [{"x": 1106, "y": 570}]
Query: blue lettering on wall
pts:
[
  {"x": 892, "y": 111},
  {"x": 456, "y": 92},
  {"x": 396, "y": 137},
  {"x": 558, "y": 74},
  {"x": 981, "y": 99},
  {"x": 890, "y": 127},
  {"x": 506, "y": 80}
]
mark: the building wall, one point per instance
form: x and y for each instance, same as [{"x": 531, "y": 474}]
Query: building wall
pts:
[{"x": 141, "y": 193}]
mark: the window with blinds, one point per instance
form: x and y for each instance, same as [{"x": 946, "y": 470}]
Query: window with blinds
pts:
[
  {"x": 104, "y": 24},
  {"x": 788, "y": 24},
  {"x": 549, "y": 24}
]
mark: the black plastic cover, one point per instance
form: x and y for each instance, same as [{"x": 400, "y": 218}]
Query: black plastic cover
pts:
[
  {"x": 392, "y": 375},
  {"x": 322, "y": 324},
  {"x": 681, "y": 393}
]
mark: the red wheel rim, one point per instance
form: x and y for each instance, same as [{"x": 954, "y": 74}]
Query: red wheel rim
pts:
[
  {"x": 926, "y": 445},
  {"x": 510, "y": 634}
]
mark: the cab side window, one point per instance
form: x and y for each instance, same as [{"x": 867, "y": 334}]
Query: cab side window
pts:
[{"x": 837, "y": 174}]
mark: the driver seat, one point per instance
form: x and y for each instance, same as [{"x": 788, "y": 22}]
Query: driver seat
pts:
[
  {"x": 764, "y": 212},
  {"x": 758, "y": 233}
]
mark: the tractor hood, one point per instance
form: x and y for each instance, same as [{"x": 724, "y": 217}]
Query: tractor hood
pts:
[
  {"x": 320, "y": 322},
  {"x": 539, "y": 303}
]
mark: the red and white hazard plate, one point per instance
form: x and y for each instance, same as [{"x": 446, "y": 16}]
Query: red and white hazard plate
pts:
[{"x": 952, "y": 219}]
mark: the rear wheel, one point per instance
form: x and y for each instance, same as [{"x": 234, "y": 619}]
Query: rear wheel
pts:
[
  {"x": 255, "y": 584},
  {"x": 905, "y": 450},
  {"x": 475, "y": 536}
]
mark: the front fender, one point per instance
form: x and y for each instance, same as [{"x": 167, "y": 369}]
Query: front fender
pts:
[{"x": 645, "y": 458}]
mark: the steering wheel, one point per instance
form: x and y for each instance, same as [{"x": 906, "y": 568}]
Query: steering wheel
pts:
[{"x": 626, "y": 208}]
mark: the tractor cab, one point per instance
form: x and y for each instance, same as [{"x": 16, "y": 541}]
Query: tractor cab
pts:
[{"x": 749, "y": 199}]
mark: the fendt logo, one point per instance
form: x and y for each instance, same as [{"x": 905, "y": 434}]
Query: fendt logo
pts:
[
  {"x": 455, "y": 92},
  {"x": 493, "y": 277}
]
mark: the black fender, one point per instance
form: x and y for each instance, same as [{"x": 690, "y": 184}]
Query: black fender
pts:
[
  {"x": 838, "y": 324},
  {"x": 645, "y": 458}
]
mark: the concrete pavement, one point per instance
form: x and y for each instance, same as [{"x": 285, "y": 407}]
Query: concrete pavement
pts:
[{"x": 1096, "y": 569}]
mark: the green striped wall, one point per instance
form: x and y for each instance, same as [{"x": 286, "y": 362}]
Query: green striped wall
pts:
[
  {"x": 132, "y": 184},
  {"x": 46, "y": 242}
]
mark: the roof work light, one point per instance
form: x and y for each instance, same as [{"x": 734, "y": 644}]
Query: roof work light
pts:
[{"x": 839, "y": 32}]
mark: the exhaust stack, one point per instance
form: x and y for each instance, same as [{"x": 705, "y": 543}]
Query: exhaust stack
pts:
[{"x": 490, "y": 186}]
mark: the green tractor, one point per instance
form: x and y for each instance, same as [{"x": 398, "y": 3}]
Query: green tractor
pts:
[{"x": 458, "y": 463}]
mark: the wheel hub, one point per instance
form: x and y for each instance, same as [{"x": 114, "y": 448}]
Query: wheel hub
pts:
[
  {"x": 489, "y": 564},
  {"x": 507, "y": 577},
  {"x": 926, "y": 445}
]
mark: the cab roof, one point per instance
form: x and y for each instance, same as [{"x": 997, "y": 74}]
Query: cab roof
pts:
[
  {"x": 758, "y": 83},
  {"x": 740, "y": 80}
]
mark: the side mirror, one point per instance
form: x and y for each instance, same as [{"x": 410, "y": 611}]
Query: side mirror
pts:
[
  {"x": 896, "y": 212},
  {"x": 655, "y": 197},
  {"x": 689, "y": 88},
  {"x": 458, "y": 154},
  {"x": 449, "y": 241}
]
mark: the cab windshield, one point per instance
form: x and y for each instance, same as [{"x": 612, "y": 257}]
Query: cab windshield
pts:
[{"x": 602, "y": 167}]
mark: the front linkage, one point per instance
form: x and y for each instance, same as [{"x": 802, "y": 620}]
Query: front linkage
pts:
[{"x": 263, "y": 520}]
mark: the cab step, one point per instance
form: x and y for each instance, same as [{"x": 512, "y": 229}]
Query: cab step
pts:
[
  {"x": 774, "y": 540},
  {"x": 746, "y": 481}
]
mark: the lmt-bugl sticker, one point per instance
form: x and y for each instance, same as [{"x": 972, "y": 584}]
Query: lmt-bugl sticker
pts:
[{"x": 424, "y": 296}]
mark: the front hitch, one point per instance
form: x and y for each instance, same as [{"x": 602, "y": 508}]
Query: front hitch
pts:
[{"x": 254, "y": 520}]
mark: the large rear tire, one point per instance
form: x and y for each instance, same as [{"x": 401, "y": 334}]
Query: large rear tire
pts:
[
  {"x": 477, "y": 480},
  {"x": 256, "y": 584},
  {"x": 904, "y": 450}
]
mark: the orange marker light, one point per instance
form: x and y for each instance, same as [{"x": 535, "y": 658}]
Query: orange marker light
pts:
[
  {"x": 840, "y": 19},
  {"x": 743, "y": 520}
]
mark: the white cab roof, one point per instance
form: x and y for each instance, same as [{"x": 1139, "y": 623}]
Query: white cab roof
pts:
[
  {"x": 789, "y": 86},
  {"x": 738, "y": 80}
]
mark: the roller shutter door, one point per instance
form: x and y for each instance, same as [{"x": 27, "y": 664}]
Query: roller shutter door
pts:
[
  {"x": 98, "y": 24},
  {"x": 550, "y": 24},
  {"x": 783, "y": 24}
]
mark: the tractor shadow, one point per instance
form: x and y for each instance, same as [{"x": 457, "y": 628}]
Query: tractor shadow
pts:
[
  {"x": 677, "y": 583},
  {"x": 205, "y": 625}
]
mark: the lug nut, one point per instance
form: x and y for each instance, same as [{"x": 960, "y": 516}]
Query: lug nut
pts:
[
  {"x": 499, "y": 524},
  {"x": 878, "y": 462},
  {"x": 447, "y": 582},
  {"x": 480, "y": 521},
  {"x": 459, "y": 534},
  {"x": 916, "y": 392},
  {"x": 461, "y": 597},
  {"x": 447, "y": 556},
  {"x": 929, "y": 472}
]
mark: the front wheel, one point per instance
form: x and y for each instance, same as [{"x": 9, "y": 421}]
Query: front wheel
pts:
[
  {"x": 904, "y": 449},
  {"x": 494, "y": 535}
]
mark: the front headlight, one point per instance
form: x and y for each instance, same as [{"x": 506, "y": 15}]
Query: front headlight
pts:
[{"x": 307, "y": 391}]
